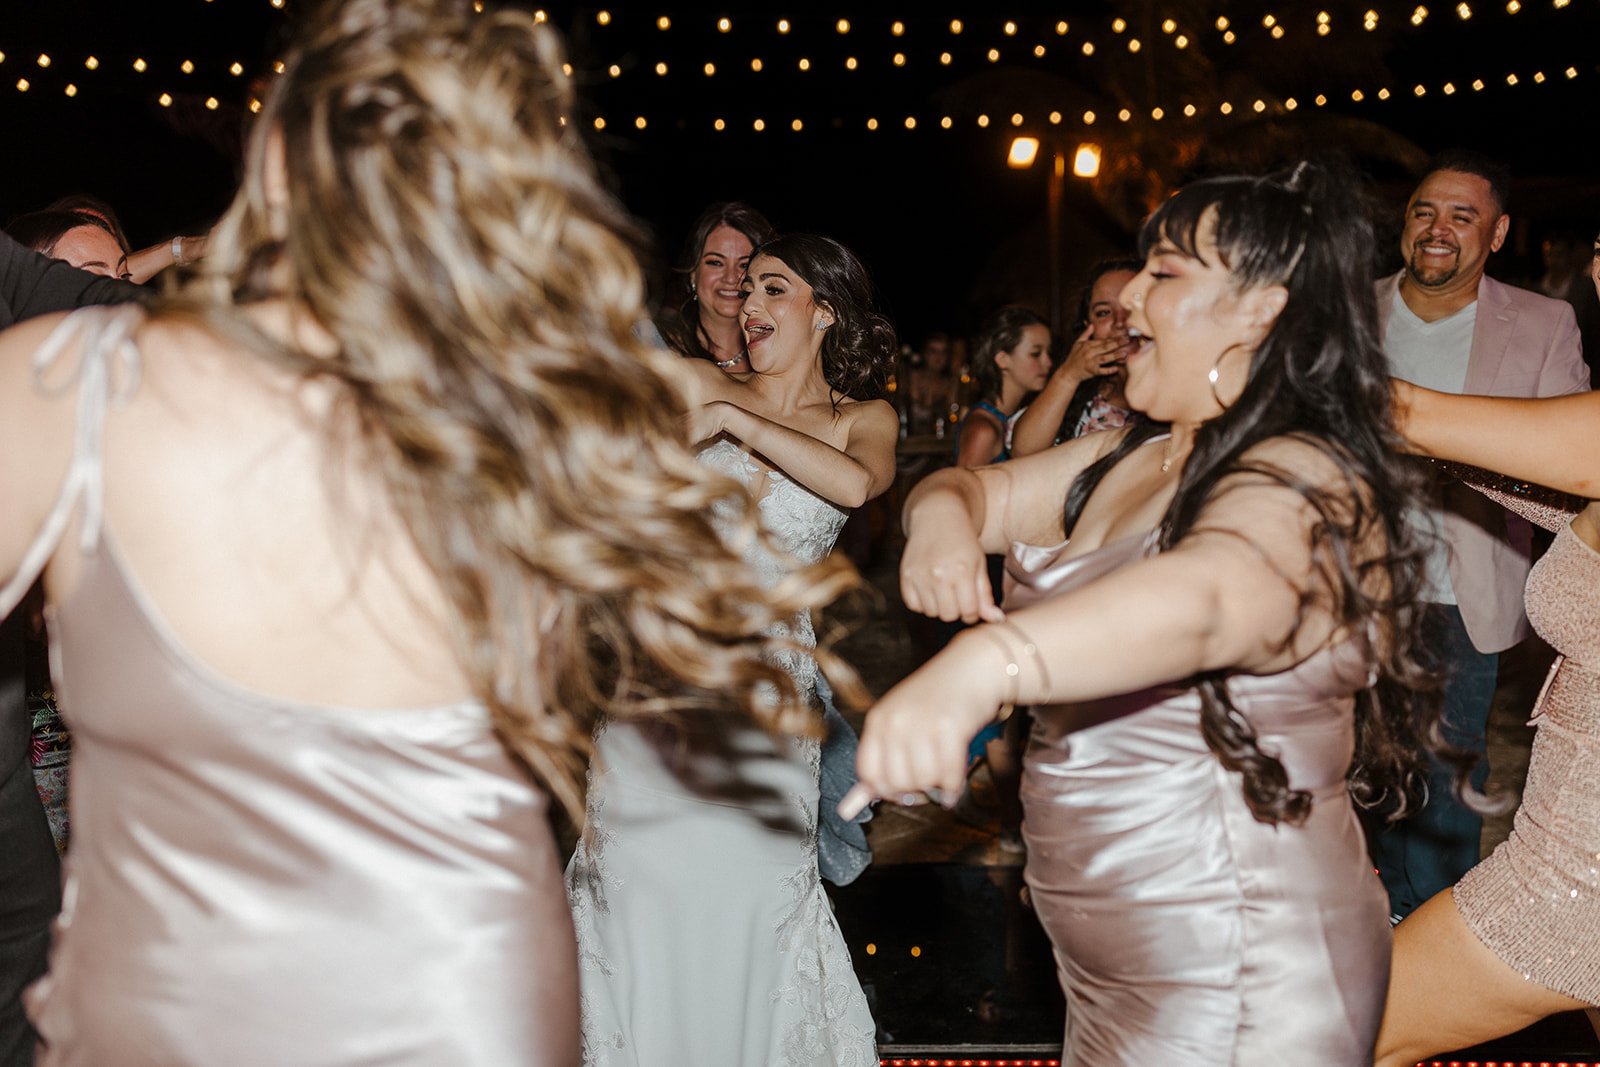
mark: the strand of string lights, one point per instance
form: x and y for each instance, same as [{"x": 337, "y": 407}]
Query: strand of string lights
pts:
[{"x": 1011, "y": 33}]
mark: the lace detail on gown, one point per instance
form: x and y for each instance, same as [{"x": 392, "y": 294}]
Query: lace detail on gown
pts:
[{"x": 704, "y": 935}]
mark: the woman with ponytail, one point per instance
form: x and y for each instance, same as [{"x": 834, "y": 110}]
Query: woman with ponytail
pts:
[
  {"x": 348, "y": 545},
  {"x": 1219, "y": 646}
]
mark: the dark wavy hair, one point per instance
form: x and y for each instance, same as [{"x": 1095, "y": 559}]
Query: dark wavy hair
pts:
[
  {"x": 680, "y": 327},
  {"x": 859, "y": 348},
  {"x": 1089, "y": 388},
  {"x": 1001, "y": 332},
  {"x": 1468, "y": 161},
  {"x": 1319, "y": 377}
]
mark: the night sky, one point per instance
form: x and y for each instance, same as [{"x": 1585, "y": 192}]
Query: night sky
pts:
[{"x": 946, "y": 228}]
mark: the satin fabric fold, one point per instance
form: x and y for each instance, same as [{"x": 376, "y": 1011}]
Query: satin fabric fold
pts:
[{"x": 1185, "y": 931}]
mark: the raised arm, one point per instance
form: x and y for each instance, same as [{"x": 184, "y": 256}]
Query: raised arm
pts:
[
  {"x": 1228, "y": 596},
  {"x": 1088, "y": 358},
  {"x": 849, "y": 475},
  {"x": 32, "y": 284},
  {"x": 955, "y": 517},
  {"x": 1554, "y": 441}
]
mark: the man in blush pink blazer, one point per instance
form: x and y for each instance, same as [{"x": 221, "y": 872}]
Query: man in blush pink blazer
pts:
[{"x": 1447, "y": 326}]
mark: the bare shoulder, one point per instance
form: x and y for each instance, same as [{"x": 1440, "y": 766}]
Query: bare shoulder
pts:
[
  {"x": 1302, "y": 458},
  {"x": 870, "y": 415}
]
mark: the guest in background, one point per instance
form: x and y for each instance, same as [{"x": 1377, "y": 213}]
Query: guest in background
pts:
[
  {"x": 932, "y": 388},
  {"x": 1010, "y": 362},
  {"x": 711, "y": 270},
  {"x": 83, "y": 241},
  {"x": 1085, "y": 393}
]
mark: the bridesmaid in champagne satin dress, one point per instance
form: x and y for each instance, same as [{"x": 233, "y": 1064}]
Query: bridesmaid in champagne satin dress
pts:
[
  {"x": 1198, "y": 663},
  {"x": 346, "y": 545},
  {"x": 1518, "y": 938}
]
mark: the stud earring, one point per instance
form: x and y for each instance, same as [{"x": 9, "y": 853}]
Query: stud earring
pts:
[{"x": 824, "y": 324}]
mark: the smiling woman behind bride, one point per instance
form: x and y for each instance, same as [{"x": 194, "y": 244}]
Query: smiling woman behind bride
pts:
[{"x": 704, "y": 935}]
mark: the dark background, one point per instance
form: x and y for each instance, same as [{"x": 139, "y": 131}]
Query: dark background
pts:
[{"x": 946, "y": 228}]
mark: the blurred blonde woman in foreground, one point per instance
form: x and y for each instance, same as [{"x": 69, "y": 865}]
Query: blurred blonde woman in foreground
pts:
[{"x": 346, "y": 547}]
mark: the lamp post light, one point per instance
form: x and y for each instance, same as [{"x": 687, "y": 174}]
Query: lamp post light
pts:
[{"x": 1085, "y": 164}]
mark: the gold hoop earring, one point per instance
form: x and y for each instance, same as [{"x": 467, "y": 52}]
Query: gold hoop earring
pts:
[{"x": 1212, "y": 378}]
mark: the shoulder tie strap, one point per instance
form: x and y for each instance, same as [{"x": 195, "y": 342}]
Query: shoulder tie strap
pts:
[{"x": 106, "y": 352}]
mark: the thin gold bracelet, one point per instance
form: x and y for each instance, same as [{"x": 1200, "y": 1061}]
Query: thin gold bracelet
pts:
[
  {"x": 1032, "y": 649},
  {"x": 1012, "y": 668}
]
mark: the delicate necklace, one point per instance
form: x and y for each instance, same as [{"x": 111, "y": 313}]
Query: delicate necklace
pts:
[
  {"x": 726, "y": 363},
  {"x": 1166, "y": 457}
]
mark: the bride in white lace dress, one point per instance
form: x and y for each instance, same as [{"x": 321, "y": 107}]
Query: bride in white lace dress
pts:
[{"x": 704, "y": 935}]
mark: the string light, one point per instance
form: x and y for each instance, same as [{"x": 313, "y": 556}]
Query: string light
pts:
[
  {"x": 783, "y": 26},
  {"x": 92, "y": 63},
  {"x": 843, "y": 25},
  {"x": 955, "y": 25},
  {"x": 1181, "y": 41},
  {"x": 796, "y": 125},
  {"x": 165, "y": 100},
  {"x": 911, "y": 122},
  {"x": 759, "y": 125},
  {"x": 1055, "y": 118},
  {"x": 22, "y": 85},
  {"x": 1061, "y": 29},
  {"x": 1477, "y": 85},
  {"x": 1269, "y": 21},
  {"x": 1463, "y": 11},
  {"x": 944, "y": 58},
  {"x": 1124, "y": 114},
  {"x": 805, "y": 64},
  {"x": 187, "y": 67},
  {"x": 599, "y": 123},
  {"x": 71, "y": 90},
  {"x": 139, "y": 65},
  {"x": 897, "y": 28},
  {"x": 1277, "y": 33},
  {"x": 1088, "y": 48},
  {"x": 1511, "y": 79},
  {"x": 44, "y": 60},
  {"x": 1188, "y": 110},
  {"x": 945, "y": 122},
  {"x": 1370, "y": 20},
  {"x": 994, "y": 55},
  {"x": 236, "y": 70},
  {"x": 1226, "y": 108},
  {"x": 1168, "y": 26},
  {"x": 1222, "y": 22},
  {"x": 1157, "y": 114},
  {"x": 1038, "y": 51},
  {"x": 211, "y": 103},
  {"x": 1133, "y": 44},
  {"x": 1419, "y": 15},
  {"x": 1228, "y": 37},
  {"x": 872, "y": 124},
  {"x": 616, "y": 71},
  {"x": 603, "y": 18},
  {"x": 1118, "y": 25},
  {"x": 719, "y": 125},
  {"x": 1321, "y": 100},
  {"x": 983, "y": 121},
  {"x": 755, "y": 65},
  {"x": 899, "y": 59},
  {"x": 1011, "y": 29},
  {"x": 1016, "y": 119},
  {"x": 255, "y": 106},
  {"x": 1259, "y": 106},
  {"x": 724, "y": 25},
  {"x": 1088, "y": 118},
  {"x": 850, "y": 63},
  {"x": 1383, "y": 94},
  {"x": 663, "y": 23},
  {"x": 1290, "y": 104},
  {"x": 661, "y": 69},
  {"x": 1513, "y": 7}
]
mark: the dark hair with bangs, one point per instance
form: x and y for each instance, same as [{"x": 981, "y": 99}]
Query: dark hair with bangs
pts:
[{"x": 1320, "y": 377}]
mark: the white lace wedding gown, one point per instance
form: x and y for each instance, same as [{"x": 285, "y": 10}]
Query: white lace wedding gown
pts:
[{"x": 704, "y": 936}]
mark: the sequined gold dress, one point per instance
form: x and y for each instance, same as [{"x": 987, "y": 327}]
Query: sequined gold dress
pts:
[{"x": 1536, "y": 900}]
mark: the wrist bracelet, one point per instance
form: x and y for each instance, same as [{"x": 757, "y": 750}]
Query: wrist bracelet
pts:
[
  {"x": 177, "y": 251},
  {"x": 1012, "y": 668},
  {"x": 1032, "y": 649}
]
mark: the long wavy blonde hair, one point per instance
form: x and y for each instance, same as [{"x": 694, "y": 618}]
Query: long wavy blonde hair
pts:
[{"x": 444, "y": 224}]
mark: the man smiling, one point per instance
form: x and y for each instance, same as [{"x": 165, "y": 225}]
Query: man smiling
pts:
[{"x": 1447, "y": 326}]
